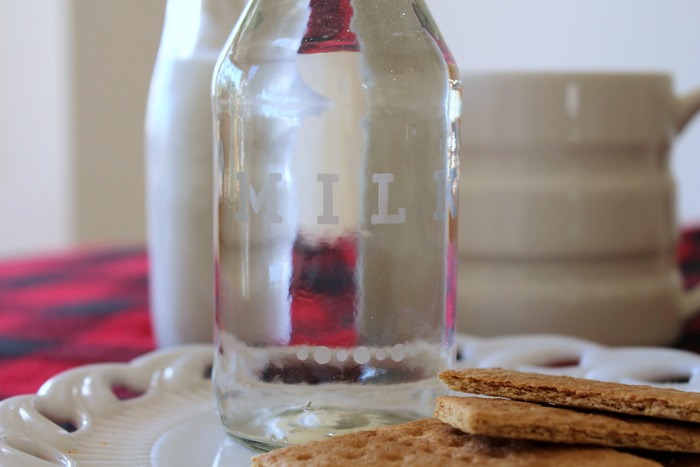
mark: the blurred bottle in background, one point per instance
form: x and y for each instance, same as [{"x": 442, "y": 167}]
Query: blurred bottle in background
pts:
[{"x": 179, "y": 169}]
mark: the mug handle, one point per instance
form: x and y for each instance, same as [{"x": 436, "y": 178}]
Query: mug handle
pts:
[{"x": 686, "y": 108}]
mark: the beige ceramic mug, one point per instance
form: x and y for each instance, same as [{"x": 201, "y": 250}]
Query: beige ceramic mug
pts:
[{"x": 567, "y": 206}]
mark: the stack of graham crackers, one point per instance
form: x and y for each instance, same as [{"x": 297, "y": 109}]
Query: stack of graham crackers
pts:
[{"x": 528, "y": 419}]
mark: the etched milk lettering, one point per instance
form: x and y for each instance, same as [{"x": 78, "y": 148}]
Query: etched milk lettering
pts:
[
  {"x": 445, "y": 180},
  {"x": 327, "y": 217},
  {"x": 383, "y": 216},
  {"x": 267, "y": 197},
  {"x": 265, "y": 200}
]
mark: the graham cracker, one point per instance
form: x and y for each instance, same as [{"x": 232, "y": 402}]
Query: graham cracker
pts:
[
  {"x": 429, "y": 442},
  {"x": 577, "y": 392},
  {"x": 524, "y": 420}
]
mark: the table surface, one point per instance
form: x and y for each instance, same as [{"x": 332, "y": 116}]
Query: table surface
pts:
[{"x": 91, "y": 306}]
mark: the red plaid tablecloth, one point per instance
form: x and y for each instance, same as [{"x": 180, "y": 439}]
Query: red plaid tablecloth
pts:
[
  {"x": 91, "y": 306},
  {"x": 67, "y": 310}
]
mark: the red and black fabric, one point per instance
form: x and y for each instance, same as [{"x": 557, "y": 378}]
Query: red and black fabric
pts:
[
  {"x": 63, "y": 311},
  {"x": 689, "y": 259}
]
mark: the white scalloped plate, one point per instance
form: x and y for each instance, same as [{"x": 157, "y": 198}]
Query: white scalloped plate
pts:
[{"x": 76, "y": 420}]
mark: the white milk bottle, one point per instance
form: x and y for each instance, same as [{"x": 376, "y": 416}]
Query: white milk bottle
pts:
[{"x": 179, "y": 169}]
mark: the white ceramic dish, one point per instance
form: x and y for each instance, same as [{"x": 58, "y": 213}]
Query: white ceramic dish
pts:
[{"x": 164, "y": 414}]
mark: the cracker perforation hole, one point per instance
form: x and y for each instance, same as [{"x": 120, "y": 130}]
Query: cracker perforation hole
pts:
[
  {"x": 415, "y": 431},
  {"x": 350, "y": 455},
  {"x": 390, "y": 457},
  {"x": 356, "y": 443}
]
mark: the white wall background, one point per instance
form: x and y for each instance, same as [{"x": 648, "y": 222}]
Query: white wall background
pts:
[
  {"x": 74, "y": 76},
  {"x": 35, "y": 178}
]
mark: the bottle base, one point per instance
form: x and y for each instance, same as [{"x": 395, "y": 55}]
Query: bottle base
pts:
[{"x": 265, "y": 431}]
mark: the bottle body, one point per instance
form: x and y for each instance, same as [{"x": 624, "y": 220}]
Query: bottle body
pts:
[
  {"x": 180, "y": 170},
  {"x": 336, "y": 185}
]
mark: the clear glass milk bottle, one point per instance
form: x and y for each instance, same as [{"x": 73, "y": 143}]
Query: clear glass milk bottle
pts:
[
  {"x": 336, "y": 184},
  {"x": 179, "y": 169}
]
